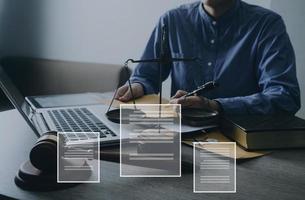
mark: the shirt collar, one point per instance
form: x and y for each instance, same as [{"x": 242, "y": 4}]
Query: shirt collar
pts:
[{"x": 225, "y": 18}]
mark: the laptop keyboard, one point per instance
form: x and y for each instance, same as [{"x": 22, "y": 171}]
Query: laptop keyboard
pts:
[{"x": 81, "y": 121}]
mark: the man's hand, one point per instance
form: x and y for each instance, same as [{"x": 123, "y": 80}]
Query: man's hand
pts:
[
  {"x": 124, "y": 94},
  {"x": 194, "y": 101}
]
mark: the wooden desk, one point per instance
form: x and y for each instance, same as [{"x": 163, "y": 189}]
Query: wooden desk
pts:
[{"x": 280, "y": 175}]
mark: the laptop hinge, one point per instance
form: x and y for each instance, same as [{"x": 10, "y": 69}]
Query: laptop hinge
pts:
[{"x": 40, "y": 123}]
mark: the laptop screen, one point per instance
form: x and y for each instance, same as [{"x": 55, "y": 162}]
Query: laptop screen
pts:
[{"x": 16, "y": 98}]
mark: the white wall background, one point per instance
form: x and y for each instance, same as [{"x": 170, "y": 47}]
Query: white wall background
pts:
[{"x": 108, "y": 31}]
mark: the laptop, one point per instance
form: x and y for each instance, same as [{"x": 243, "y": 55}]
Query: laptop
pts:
[{"x": 78, "y": 123}]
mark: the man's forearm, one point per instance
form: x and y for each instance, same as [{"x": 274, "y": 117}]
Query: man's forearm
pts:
[{"x": 259, "y": 103}]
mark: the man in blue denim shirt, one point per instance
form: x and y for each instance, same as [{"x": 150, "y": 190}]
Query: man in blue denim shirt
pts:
[{"x": 245, "y": 48}]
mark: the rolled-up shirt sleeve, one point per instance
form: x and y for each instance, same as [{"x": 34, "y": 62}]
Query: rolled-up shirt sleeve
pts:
[{"x": 276, "y": 75}]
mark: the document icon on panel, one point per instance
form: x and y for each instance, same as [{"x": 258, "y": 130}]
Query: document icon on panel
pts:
[
  {"x": 78, "y": 159},
  {"x": 214, "y": 167},
  {"x": 150, "y": 143}
]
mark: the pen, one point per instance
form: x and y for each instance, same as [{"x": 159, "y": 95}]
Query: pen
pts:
[{"x": 208, "y": 86}]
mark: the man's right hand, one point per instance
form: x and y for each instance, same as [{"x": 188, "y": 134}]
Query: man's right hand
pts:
[{"x": 124, "y": 94}]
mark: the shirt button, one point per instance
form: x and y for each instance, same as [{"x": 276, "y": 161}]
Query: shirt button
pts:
[
  {"x": 214, "y": 23},
  {"x": 212, "y": 41},
  {"x": 209, "y": 64}
]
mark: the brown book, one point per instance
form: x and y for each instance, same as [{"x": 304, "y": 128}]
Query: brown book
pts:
[{"x": 259, "y": 132}]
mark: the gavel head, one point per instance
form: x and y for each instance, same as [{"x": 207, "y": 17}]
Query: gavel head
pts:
[{"x": 43, "y": 155}]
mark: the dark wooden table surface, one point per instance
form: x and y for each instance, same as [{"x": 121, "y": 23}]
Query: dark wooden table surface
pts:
[{"x": 279, "y": 175}]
